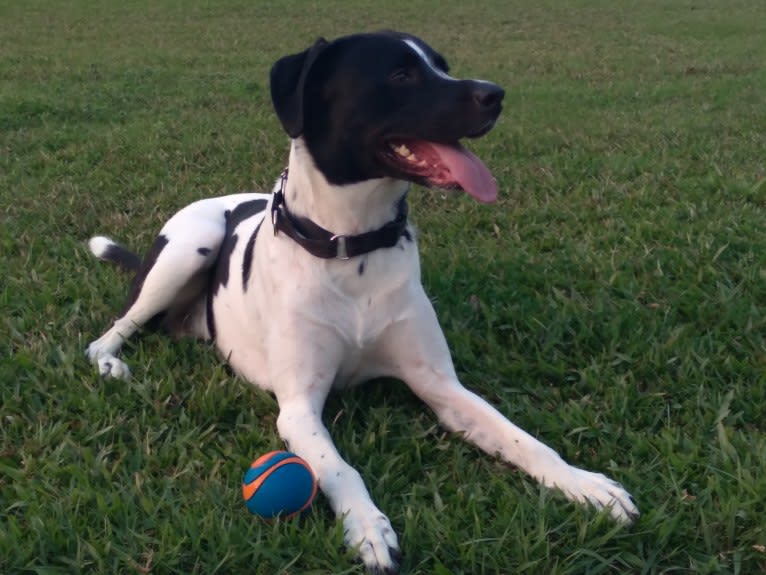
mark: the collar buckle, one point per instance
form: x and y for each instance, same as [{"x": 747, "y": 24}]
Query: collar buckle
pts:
[{"x": 341, "y": 247}]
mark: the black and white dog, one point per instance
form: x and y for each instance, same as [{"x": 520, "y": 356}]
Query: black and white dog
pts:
[{"x": 317, "y": 285}]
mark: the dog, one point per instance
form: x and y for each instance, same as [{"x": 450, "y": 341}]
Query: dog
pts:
[{"x": 317, "y": 285}]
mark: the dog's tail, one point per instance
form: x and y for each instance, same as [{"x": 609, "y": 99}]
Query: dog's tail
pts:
[{"x": 110, "y": 251}]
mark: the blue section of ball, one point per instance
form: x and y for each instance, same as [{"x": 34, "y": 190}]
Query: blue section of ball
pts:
[{"x": 285, "y": 489}]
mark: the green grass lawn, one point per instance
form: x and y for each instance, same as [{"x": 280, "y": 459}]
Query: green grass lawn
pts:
[{"x": 613, "y": 303}]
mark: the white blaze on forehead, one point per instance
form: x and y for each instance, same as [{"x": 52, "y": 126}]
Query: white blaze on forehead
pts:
[{"x": 423, "y": 56}]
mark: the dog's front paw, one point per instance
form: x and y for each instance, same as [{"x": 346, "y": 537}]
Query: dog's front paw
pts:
[
  {"x": 108, "y": 364},
  {"x": 371, "y": 534},
  {"x": 601, "y": 492}
]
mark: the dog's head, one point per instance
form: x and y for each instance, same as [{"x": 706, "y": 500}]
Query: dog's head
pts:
[{"x": 383, "y": 105}]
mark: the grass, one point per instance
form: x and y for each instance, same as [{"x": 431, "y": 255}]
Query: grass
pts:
[{"x": 613, "y": 303}]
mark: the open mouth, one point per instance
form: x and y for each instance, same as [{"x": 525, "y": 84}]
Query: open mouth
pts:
[{"x": 448, "y": 166}]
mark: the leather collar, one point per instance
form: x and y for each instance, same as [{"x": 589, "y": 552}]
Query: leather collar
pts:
[{"x": 323, "y": 243}]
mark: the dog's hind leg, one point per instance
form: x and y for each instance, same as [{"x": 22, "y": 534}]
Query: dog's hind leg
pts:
[
  {"x": 166, "y": 276},
  {"x": 171, "y": 278}
]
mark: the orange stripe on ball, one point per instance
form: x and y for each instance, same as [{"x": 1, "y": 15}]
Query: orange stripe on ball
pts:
[
  {"x": 249, "y": 490},
  {"x": 263, "y": 458}
]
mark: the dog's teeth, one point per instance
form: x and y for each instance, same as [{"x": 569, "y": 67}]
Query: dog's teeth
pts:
[{"x": 403, "y": 151}]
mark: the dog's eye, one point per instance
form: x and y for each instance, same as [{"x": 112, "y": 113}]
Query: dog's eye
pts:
[{"x": 401, "y": 76}]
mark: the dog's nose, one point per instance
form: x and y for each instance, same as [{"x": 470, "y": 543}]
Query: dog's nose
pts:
[{"x": 488, "y": 95}]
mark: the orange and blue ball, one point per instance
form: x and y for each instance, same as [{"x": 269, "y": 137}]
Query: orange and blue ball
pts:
[{"x": 279, "y": 483}]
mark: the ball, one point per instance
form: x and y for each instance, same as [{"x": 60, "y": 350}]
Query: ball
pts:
[{"x": 279, "y": 483}]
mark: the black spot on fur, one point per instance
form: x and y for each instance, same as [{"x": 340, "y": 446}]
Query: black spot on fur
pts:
[
  {"x": 233, "y": 219},
  {"x": 146, "y": 266},
  {"x": 361, "y": 268},
  {"x": 203, "y": 251},
  {"x": 247, "y": 261},
  {"x": 220, "y": 276},
  {"x": 244, "y": 211}
]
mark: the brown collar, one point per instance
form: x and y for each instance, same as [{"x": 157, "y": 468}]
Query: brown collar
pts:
[{"x": 324, "y": 244}]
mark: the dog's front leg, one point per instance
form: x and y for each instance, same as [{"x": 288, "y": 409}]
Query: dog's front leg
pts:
[
  {"x": 418, "y": 352},
  {"x": 463, "y": 411},
  {"x": 366, "y": 527}
]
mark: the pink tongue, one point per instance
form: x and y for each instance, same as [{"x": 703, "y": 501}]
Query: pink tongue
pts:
[{"x": 468, "y": 171}]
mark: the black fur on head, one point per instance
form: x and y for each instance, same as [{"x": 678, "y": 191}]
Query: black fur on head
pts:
[
  {"x": 356, "y": 99},
  {"x": 288, "y": 77}
]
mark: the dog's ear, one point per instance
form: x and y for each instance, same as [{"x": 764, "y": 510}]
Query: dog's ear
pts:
[{"x": 288, "y": 77}]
